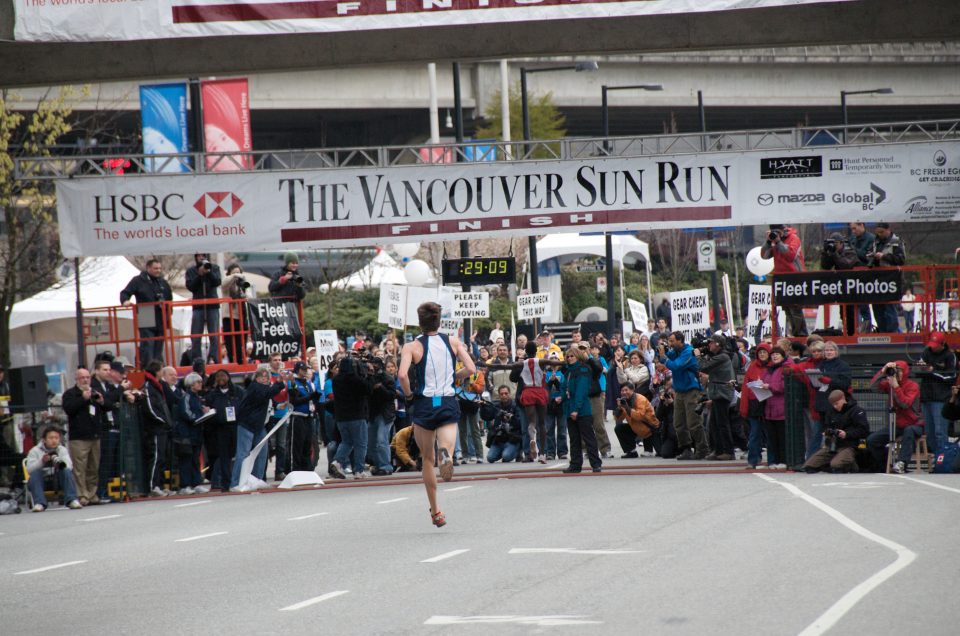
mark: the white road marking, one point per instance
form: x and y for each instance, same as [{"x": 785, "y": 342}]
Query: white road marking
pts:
[
  {"x": 101, "y": 518},
  {"x": 558, "y": 465},
  {"x": 316, "y": 514},
  {"x": 393, "y": 500},
  {"x": 51, "y": 567},
  {"x": 457, "y": 488},
  {"x": 201, "y": 536},
  {"x": 856, "y": 485},
  {"x": 445, "y": 555},
  {"x": 569, "y": 551},
  {"x": 835, "y": 612},
  {"x": 539, "y": 621},
  {"x": 313, "y": 601},
  {"x": 927, "y": 483},
  {"x": 193, "y": 503}
]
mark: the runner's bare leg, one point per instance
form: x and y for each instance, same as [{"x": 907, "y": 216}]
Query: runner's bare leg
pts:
[
  {"x": 447, "y": 437},
  {"x": 425, "y": 442}
]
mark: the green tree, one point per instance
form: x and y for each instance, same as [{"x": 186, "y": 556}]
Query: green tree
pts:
[
  {"x": 29, "y": 244},
  {"x": 546, "y": 122}
]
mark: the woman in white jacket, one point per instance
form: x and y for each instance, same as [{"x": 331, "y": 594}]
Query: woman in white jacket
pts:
[{"x": 50, "y": 456}]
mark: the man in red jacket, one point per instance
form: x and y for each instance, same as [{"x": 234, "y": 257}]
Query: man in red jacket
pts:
[
  {"x": 783, "y": 246},
  {"x": 893, "y": 379}
]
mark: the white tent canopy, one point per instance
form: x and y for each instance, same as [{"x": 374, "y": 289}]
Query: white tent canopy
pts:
[
  {"x": 48, "y": 319},
  {"x": 382, "y": 270},
  {"x": 568, "y": 247}
]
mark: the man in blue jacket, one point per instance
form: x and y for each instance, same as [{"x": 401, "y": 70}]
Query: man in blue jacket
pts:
[
  {"x": 683, "y": 366},
  {"x": 252, "y": 419}
]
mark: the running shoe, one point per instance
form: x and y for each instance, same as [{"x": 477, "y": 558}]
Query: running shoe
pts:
[{"x": 446, "y": 465}]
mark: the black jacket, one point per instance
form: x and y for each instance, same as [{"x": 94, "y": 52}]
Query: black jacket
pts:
[
  {"x": 852, "y": 419},
  {"x": 383, "y": 399},
  {"x": 289, "y": 288},
  {"x": 220, "y": 400},
  {"x": 252, "y": 412},
  {"x": 843, "y": 256},
  {"x": 889, "y": 252},
  {"x": 84, "y": 424},
  {"x": 111, "y": 401},
  {"x": 935, "y": 384},
  {"x": 155, "y": 412},
  {"x": 147, "y": 289},
  {"x": 504, "y": 423},
  {"x": 204, "y": 285},
  {"x": 839, "y": 373},
  {"x": 351, "y": 392}
]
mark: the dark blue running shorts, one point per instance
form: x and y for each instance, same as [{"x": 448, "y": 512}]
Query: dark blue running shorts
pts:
[{"x": 424, "y": 413}]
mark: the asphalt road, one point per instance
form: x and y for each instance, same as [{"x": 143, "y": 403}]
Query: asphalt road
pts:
[{"x": 727, "y": 553}]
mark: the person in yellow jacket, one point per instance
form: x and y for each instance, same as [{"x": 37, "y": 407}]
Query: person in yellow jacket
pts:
[
  {"x": 404, "y": 447},
  {"x": 546, "y": 346},
  {"x": 636, "y": 419}
]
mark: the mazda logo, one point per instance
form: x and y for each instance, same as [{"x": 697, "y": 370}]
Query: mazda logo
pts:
[{"x": 765, "y": 199}]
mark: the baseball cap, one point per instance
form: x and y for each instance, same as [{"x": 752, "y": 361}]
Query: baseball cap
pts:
[
  {"x": 300, "y": 366},
  {"x": 117, "y": 366},
  {"x": 545, "y": 332},
  {"x": 937, "y": 339}
]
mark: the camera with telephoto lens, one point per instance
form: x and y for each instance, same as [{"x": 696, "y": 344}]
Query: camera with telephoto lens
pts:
[
  {"x": 297, "y": 278},
  {"x": 774, "y": 235},
  {"x": 206, "y": 265},
  {"x": 55, "y": 461},
  {"x": 830, "y": 246},
  {"x": 830, "y": 439},
  {"x": 890, "y": 371},
  {"x": 702, "y": 343},
  {"x": 243, "y": 283}
]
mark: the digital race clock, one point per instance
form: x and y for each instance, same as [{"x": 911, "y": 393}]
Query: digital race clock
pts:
[{"x": 497, "y": 270}]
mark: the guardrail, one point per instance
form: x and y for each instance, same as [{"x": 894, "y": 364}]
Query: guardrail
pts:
[{"x": 78, "y": 166}]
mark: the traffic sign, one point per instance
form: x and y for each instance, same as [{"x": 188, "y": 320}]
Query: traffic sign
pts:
[{"x": 707, "y": 255}]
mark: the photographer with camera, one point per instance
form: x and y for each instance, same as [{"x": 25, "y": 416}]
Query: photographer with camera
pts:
[
  {"x": 252, "y": 416},
  {"x": 844, "y": 425},
  {"x": 784, "y": 247},
  {"x": 716, "y": 372},
  {"x": 838, "y": 254},
  {"x": 235, "y": 286},
  {"x": 84, "y": 408},
  {"x": 50, "y": 457},
  {"x": 202, "y": 280},
  {"x": 635, "y": 420},
  {"x": 288, "y": 283},
  {"x": 936, "y": 380},
  {"x": 887, "y": 252},
  {"x": 683, "y": 365},
  {"x": 504, "y": 435},
  {"x": 148, "y": 287},
  {"x": 352, "y": 388},
  {"x": 904, "y": 396}
]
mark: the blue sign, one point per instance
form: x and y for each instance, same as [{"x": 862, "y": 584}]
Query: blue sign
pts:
[{"x": 163, "y": 114}]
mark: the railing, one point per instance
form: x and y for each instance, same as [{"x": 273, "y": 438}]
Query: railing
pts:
[
  {"x": 113, "y": 336},
  {"x": 76, "y": 166},
  {"x": 935, "y": 288}
]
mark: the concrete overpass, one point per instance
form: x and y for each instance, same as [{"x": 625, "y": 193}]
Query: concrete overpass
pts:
[{"x": 852, "y": 21}]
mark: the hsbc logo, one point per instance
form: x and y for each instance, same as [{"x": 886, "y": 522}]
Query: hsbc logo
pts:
[{"x": 218, "y": 205}]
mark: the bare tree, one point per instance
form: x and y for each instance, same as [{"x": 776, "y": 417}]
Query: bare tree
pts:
[
  {"x": 675, "y": 250},
  {"x": 334, "y": 266}
]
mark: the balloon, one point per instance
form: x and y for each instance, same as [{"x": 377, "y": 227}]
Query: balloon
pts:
[
  {"x": 416, "y": 272},
  {"x": 756, "y": 264},
  {"x": 408, "y": 250}
]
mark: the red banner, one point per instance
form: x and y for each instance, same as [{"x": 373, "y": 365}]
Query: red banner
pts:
[{"x": 226, "y": 123}]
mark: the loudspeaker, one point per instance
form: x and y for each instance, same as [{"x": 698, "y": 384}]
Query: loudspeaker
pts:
[{"x": 28, "y": 389}]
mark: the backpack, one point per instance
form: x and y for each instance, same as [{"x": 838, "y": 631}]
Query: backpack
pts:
[{"x": 947, "y": 460}]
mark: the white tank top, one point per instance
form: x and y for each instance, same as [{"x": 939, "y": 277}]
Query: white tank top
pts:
[
  {"x": 532, "y": 375},
  {"x": 438, "y": 371}
]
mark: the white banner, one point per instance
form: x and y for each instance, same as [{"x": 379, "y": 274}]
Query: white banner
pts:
[
  {"x": 530, "y": 306},
  {"x": 471, "y": 305},
  {"x": 939, "y": 312},
  {"x": 758, "y": 303},
  {"x": 84, "y": 20},
  {"x": 638, "y": 311},
  {"x": 327, "y": 344},
  {"x": 690, "y": 312},
  {"x": 311, "y": 209}
]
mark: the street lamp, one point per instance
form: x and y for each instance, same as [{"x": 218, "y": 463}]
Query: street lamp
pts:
[
  {"x": 579, "y": 67},
  {"x": 608, "y": 238},
  {"x": 605, "y": 110},
  {"x": 843, "y": 103}
]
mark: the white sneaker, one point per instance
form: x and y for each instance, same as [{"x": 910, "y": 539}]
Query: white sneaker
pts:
[
  {"x": 201, "y": 490},
  {"x": 647, "y": 454},
  {"x": 472, "y": 460},
  {"x": 899, "y": 468},
  {"x": 74, "y": 505},
  {"x": 41, "y": 507},
  {"x": 156, "y": 492},
  {"x": 185, "y": 491},
  {"x": 608, "y": 455},
  {"x": 781, "y": 466}
]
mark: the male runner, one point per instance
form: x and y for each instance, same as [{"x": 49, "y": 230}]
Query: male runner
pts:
[{"x": 434, "y": 411}]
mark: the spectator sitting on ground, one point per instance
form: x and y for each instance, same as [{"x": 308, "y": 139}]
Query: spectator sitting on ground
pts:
[
  {"x": 50, "y": 456},
  {"x": 505, "y": 435},
  {"x": 846, "y": 424},
  {"x": 406, "y": 451},
  {"x": 635, "y": 419}
]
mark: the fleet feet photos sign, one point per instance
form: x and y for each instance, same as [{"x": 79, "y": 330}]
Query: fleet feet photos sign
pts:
[{"x": 278, "y": 211}]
